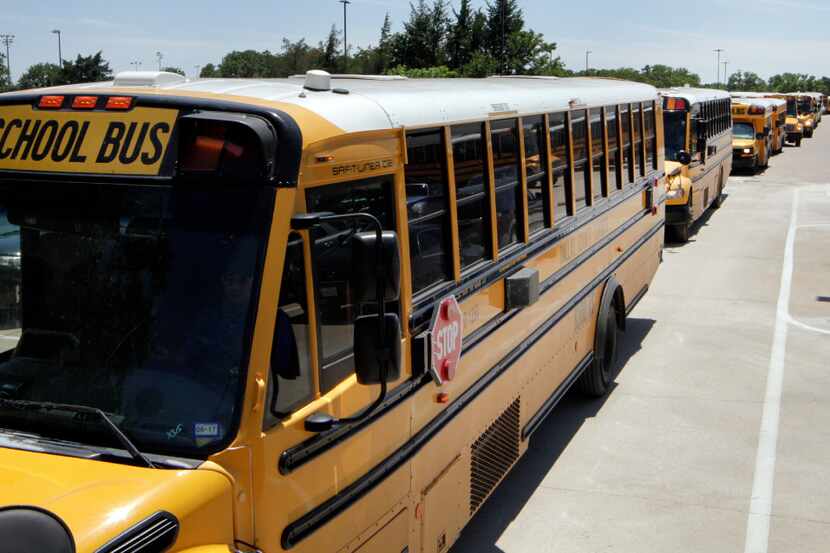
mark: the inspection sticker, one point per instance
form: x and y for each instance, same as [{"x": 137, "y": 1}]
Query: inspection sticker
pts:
[{"x": 206, "y": 430}]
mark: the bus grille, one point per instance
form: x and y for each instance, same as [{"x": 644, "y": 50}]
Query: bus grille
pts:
[{"x": 492, "y": 455}]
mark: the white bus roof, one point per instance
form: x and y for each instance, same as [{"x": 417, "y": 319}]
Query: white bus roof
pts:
[
  {"x": 378, "y": 103},
  {"x": 694, "y": 95},
  {"x": 760, "y": 101}
]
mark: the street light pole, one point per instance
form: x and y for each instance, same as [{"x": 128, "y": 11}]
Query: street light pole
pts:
[
  {"x": 345, "y": 36},
  {"x": 159, "y": 57},
  {"x": 8, "y": 40},
  {"x": 725, "y": 76},
  {"x": 587, "y": 53},
  {"x": 60, "y": 55},
  {"x": 717, "y": 65}
]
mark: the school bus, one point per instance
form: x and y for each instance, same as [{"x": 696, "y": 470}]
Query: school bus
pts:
[
  {"x": 752, "y": 133},
  {"x": 309, "y": 314},
  {"x": 806, "y": 109},
  {"x": 697, "y": 123},
  {"x": 778, "y": 131}
]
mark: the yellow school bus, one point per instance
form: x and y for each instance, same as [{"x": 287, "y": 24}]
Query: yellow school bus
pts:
[
  {"x": 752, "y": 133},
  {"x": 315, "y": 314},
  {"x": 806, "y": 109},
  {"x": 698, "y": 135}
]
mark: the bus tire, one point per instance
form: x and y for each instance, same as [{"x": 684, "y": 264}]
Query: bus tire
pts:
[
  {"x": 681, "y": 232},
  {"x": 798, "y": 142},
  {"x": 596, "y": 380}
]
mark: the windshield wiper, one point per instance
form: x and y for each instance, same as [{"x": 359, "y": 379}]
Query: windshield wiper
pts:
[{"x": 48, "y": 406}]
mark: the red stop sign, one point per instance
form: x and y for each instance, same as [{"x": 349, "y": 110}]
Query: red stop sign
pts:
[{"x": 447, "y": 331}]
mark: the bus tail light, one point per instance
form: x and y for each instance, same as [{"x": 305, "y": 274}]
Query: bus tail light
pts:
[
  {"x": 676, "y": 104},
  {"x": 231, "y": 146},
  {"x": 50, "y": 102},
  {"x": 84, "y": 102}
]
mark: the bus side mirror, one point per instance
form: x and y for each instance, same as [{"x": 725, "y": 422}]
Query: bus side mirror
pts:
[
  {"x": 684, "y": 157},
  {"x": 365, "y": 269},
  {"x": 377, "y": 358}
]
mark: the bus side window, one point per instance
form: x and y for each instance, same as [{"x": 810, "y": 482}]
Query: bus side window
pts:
[
  {"x": 536, "y": 171},
  {"x": 582, "y": 168},
  {"x": 562, "y": 186},
  {"x": 625, "y": 123},
  {"x": 611, "y": 129},
  {"x": 469, "y": 152},
  {"x": 504, "y": 135},
  {"x": 651, "y": 138},
  {"x": 637, "y": 125},
  {"x": 599, "y": 179},
  {"x": 428, "y": 209},
  {"x": 331, "y": 255},
  {"x": 291, "y": 380}
]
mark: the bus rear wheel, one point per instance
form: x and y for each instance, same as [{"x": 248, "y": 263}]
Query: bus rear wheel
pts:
[
  {"x": 597, "y": 378},
  {"x": 798, "y": 142}
]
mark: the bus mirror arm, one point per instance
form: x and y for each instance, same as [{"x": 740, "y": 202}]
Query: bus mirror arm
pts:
[{"x": 377, "y": 337}]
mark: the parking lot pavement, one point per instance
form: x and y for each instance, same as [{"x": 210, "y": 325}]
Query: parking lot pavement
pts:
[{"x": 716, "y": 436}]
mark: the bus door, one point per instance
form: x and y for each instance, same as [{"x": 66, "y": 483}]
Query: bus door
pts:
[{"x": 318, "y": 442}]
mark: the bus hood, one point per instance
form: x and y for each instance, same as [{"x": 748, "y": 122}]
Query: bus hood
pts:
[
  {"x": 97, "y": 502},
  {"x": 743, "y": 143}
]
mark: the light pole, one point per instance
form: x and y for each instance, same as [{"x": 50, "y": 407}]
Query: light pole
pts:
[
  {"x": 136, "y": 65},
  {"x": 345, "y": 36},
  {"x": 587, "y": 53},
  {"x": 159, "y": 57},
  {"x": 8, "y": 40},
  {"x": 60, "y": 55},
  {"x": 725, "y": 76},
  {"x": 198, "y": 70},
  {"x": 717, "y": 65}
]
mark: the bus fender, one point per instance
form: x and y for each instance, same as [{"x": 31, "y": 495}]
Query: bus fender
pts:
[{"x": 613, "y": 297}]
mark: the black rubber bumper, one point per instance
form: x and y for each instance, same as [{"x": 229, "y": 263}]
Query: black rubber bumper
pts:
[
  {"x": 678, "y": 215},
  {"x": 744, "y": 162}
]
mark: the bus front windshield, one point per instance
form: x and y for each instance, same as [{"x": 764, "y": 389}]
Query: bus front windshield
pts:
[
  {"x": 138, "y": 301},
  {"x": 791, "y": 107},
  {"x": 805, "y": 105},
  {"x": 674, "y": 123},
  {"x": 743, "y": 130}
]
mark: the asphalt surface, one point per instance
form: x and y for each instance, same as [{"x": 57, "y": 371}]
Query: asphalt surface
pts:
[{"x": 716, "y": 436}]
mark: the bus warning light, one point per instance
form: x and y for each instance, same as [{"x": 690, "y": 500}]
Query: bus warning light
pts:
[
  {"x": 84, "y": 102},
  {"x": 50, "y": 102}
]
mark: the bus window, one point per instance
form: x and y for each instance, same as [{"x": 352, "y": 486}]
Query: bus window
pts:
[
  {"x": 599, "y": 178},
  {"x": 427, "y": 208},
  {"x": 559, "y": 165},
  {"x": 651, "y": 138},
  {"x": 581, "y": 184},
  {"x": 332, "y": 274},
  {"x": 536, "y": 171},
  {"x": 625, "y": 120},
  {"x": 504, "y": 135},
  {"x": 291, "y": 383},
  {"x": 614, "y": 181},
  {"x": 470, "y": 163},
  {"x": 637, "y": 139}
]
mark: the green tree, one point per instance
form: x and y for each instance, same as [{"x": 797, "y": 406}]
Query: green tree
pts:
[
  {"x": 172, "y": 69},
  {"x": 423, "y": 40},
  {"x": 86, "y": 69},
  {"x": 330, "y": 58},
  {"x": 246, "y": 64},
  {"x": 746, "y": 81},
  {"x": 436, "y": 72},
  {"x": 790, "y": 82},
  {"x": 296, "y": 58},
  {"x": 383, "y": 53},
  {"x": 460, "y": 40},
  {"x": 504, "y": 20},
  {"x": 663, "y": 76},
  {"x": 209, "y": 71},
  {"x": 41, "y": 75}
]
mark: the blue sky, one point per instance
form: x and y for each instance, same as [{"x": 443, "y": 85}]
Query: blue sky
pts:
[{"x": 765, "y": 36}]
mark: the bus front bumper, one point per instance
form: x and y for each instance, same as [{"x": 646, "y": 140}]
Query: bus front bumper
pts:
[
  {"x": 744, "y": 161},
  {"x": 680, "y": 214}
]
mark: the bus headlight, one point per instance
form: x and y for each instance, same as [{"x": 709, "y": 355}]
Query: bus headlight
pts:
[
  {"x": 674, "y": 193},
  {"x": 808, "y": 123},
  {"x": 747, "y": 150}
]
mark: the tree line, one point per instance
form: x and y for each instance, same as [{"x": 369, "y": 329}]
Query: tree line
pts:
[{"x": 436, "y": 40}]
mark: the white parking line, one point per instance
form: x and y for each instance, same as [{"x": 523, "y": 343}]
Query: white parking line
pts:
[{"x": 760, "y": 505}]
